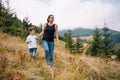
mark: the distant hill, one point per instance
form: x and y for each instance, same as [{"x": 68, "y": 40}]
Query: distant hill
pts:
[{"x": 87, "y": 32}]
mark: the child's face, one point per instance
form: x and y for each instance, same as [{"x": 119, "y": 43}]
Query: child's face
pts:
[{"x": 32, "y": 32}]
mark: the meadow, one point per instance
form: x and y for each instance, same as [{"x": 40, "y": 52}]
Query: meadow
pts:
[{"x": 15, "y": 63}]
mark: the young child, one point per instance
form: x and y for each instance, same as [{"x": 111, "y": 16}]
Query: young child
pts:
[{"x": 32, "y": 43}]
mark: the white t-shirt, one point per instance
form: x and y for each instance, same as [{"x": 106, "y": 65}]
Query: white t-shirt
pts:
[{"x": 33, "y": 39}]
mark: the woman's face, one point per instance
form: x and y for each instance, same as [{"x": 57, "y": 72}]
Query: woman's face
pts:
[{"x": 51, "y": 19}]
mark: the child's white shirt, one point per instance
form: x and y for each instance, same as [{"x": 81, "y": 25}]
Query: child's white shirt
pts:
[{"x": 33, "y": 39}]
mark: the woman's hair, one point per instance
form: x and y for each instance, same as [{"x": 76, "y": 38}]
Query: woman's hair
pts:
[{"x": 49, "y": 17}]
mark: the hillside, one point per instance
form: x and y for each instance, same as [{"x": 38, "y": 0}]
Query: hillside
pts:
[
  {"x": 88, "y": 32},
  {"x": 15, "y": 64}
]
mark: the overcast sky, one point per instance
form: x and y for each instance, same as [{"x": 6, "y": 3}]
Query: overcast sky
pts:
[{"x": 70, "y": 14}]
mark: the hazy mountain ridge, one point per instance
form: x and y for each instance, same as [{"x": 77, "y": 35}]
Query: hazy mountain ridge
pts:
[{"x": 87, "y": 32}]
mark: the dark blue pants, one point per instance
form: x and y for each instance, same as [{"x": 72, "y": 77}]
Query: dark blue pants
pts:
[
  {"x": 49, "y": 51},
  {"x": 33, "y": 53}
]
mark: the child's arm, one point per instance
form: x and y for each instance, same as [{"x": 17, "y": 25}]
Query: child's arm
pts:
[{"x": 28, "y": 41}]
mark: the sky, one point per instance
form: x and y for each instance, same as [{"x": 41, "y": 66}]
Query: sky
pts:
[{"x": 70, "y": 14}]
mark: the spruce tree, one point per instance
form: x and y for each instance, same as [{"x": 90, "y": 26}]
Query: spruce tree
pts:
[
  {"x": 95, "y": 47},
  {"x": 1, "y": 22},
  {"x": 9, "y": 23},
  {"x": 78, "y": 45},
  {"x": 106, "y": 42},
  {"x": 68, "y": 40},
  {"x": 1, "y": 14},
  {"x": 118, "y": 54}
]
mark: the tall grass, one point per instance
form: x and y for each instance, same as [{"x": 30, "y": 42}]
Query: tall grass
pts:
[{"x": 15, "y": 63}]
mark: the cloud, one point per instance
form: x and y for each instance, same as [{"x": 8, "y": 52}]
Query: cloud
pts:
[{"x": 70, "y": 14}]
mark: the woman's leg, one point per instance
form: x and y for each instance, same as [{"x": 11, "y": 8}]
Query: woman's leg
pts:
[
  {"x": 51, "y": 53},
  {"x": 46, "y": 50}
]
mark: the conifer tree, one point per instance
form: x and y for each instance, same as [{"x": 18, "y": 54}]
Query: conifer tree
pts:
[
  {"x": 78, "y": 45},
  {"x": 106, "y": 42},
  {"x": 68, "y": 39},
  {"x": 95, "y": 48}
]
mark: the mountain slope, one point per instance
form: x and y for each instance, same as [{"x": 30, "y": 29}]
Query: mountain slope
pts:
[
  {"x": 16, "y": 64},
  {"x": 88, "y": 32}
]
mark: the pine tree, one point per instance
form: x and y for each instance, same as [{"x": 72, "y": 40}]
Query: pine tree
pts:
[
  {"x": 106, "y": 42},
  {"x": 68, "y": 40},
  {"x": 9, "y": 23},
  {"x": 95, "y": 47},
  {"x": 38, "y": 29},
  {"x": 1, "y": 22},
  {"x": 118, "y": 54},
  {"x": 2, "y": 14},
  {"x": 78, "y": 45},
  {"x": 26, "y": 23}
]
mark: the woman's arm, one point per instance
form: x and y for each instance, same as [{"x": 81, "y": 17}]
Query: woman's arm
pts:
[
  {"x": 42, "y": 32},
  {"x": 56, "y": 33}
]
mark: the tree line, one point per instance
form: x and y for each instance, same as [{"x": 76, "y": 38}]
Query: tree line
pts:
[
  {"x": 101, "y": 45},
  {"x": 10, "y": 23}
]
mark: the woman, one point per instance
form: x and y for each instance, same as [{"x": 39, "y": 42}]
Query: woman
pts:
[{"x": 49, "y": 30}]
